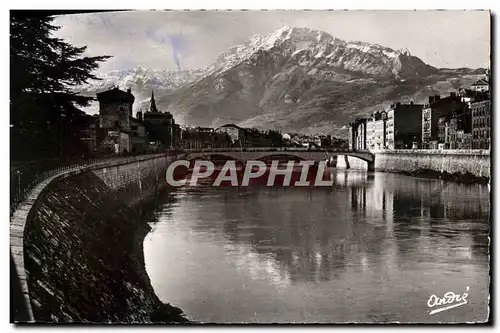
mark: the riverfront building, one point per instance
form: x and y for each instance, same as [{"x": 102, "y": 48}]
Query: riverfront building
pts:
[
  {"x": 376, "y": 131},
  {"x": 161, "y": 126},
  {"x": 481, "y": 85},
  {"x": 403, "y": 129},
  {"x": 138, "y": 134},
  {"x": 461, "y": 120},
  {"x": 357, "y": 134},
  {"x": 481, "y": 124},
  {"x": 115, "y": 113},
  {"x": 439, "y": 108},
  {"x": 199, "y": 137},
  {"x": 234, "y": 132},
  {"x": 397, "y": 128}
]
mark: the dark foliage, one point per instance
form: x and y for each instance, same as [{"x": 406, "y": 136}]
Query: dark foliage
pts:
[{"x": 44, "y": 115}]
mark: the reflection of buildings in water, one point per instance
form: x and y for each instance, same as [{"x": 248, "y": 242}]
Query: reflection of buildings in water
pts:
[
  {"x": 404, "y": 209},
  {"x": 373, "y": 206},
  {"x": 294, "y": 229},
  {"x": 380, "y": 201},
  {"x": 429, "y": 198},
  {"x": 469, "y": 206},
  {"x": 375, "y": 201},
  {"x": 289, "y": 235},
  {"x": 358, "y": 198},
  {"x": 348, "y": 177}
]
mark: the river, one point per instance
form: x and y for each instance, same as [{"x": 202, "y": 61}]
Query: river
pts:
[{"x": 373, "y": 247}]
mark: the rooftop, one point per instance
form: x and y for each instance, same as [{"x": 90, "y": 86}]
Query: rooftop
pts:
[
  {"x": 116, "y": 94},
  {"x": 480, "y": 82},
  {"x": 230, "y": 125}
]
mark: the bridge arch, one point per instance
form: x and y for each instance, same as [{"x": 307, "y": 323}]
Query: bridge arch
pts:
[{"x": 263, "y": 153}]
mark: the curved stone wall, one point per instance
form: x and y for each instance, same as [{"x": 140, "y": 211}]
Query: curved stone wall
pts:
[{"x": 81, "y": 245}]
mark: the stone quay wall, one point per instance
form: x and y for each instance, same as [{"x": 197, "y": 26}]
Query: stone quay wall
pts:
[
  {"x": 76, "y": 245},
  {"x": 453, "y": 162}
]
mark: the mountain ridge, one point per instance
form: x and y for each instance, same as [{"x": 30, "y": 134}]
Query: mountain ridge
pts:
[{"x": 293, "y": 79}]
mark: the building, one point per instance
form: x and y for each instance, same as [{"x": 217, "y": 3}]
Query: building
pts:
[
  {"x": 161, "y": 127},
  {"x": 452, "y": 130},
  {"x": 88, "y": 135},
  {"x": 481, "y": 124},
  {"x": 357, "y": 134},
  {"x": 325, "y": 140},
  {"x": 435, "y": 109},
  {"x": 481, "y": 85},
  {"x": 443, "y": 123},
  {"x": 115, "y": 112},
  {"x": 376, "y": 131},
  {"x": 234, "y": 132},
  {"x": 403, "y": 125},
  {"x": 466, "y": 141},
  {"x": 199, "y": 137},
  {"x": 177, "y": 136},
  {"x": 138, "y": 134}
]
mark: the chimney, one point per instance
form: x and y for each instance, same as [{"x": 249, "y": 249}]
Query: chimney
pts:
[
  {"x": 453, "y": 94},
  {"x": 431, "y": 99},
  {"x": 138, "y": 115},
  {"x": 129, "y": 90},
  {"x": 437, "y": 98}
]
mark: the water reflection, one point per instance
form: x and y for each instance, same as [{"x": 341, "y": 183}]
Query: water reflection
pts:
[{"x": 367, "y": 240}]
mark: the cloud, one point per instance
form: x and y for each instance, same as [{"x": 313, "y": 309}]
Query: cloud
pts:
[{"x": 193, "y": 39}]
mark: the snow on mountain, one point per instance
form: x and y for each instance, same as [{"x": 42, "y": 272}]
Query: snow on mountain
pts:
[
  {"x": 292, "y": 79},
  {"x": 140, "y": 79},
  {"x": 306, "y": 45}
]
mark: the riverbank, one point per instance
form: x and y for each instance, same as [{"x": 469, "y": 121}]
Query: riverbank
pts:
[
  {"x": 465, "y": 166},
  {"x": 461, "y": 166},
  {"x": 77, "y": 245},
  {"x": 84, "y": 257},
  {"x": 460, "y": 178},
  {"x": 162, "y": 313}
]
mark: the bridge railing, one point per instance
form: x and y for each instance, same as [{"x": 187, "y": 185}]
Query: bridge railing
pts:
[
  {"x": 24, "y": 177},
  {"x": 271, "y": 149}
]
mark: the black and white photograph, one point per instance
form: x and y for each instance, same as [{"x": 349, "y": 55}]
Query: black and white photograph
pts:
[{"x": 190, "y": 167}]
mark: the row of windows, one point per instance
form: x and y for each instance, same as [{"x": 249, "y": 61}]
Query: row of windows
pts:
[
  {"x": 481, "y": 122},
  {"x": 480, "y": 133},
  {"x": 480, "y": 111}
]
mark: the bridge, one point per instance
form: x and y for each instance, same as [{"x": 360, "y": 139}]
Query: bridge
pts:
[{"x": 253, "y": 153}]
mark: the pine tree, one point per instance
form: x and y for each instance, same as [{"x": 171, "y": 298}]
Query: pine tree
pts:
[{"x": 43, "y": 110}]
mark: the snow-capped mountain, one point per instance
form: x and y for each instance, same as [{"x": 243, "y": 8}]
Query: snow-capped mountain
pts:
[
  {"x": 306, "y": 47},
  {"x": 294, "y": 79},
  {"x": 142, "y": 78},
  {"x": 142, "y": 81}
]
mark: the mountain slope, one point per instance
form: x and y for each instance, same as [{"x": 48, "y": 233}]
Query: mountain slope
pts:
[{"x": 298, "y": 79}]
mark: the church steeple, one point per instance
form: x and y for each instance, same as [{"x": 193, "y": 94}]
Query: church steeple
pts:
[{"x": 152, "y": 107}]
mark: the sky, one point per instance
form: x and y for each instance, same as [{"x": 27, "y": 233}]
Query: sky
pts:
[{"x": 173, "y": 40}]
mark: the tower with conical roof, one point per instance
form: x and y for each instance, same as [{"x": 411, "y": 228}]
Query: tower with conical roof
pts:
[{"x": 152, "y": 107}]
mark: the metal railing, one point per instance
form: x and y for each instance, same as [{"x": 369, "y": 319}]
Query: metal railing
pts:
[
  {"x": 270, "y": 149},
  {"x": 25, "y": 177}
]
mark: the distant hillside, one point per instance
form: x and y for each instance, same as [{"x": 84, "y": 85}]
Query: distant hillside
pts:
[{"x": 293, "y": 79}]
